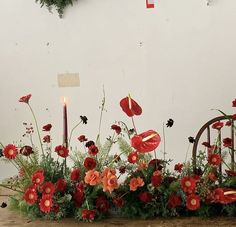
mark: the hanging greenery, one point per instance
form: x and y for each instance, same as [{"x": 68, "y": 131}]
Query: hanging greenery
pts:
[{"x": 60, "y": 5}]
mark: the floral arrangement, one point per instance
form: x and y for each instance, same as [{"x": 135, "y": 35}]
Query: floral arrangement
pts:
[{"x": 134, "y": 182}]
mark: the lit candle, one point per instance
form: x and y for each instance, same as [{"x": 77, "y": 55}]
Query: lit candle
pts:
[{"x": 65, "y": 126}]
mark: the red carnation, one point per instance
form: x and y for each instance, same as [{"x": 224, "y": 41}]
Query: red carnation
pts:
[
  {"x": 214, "y": 159},
  {"x": 145, "y": 197},
  {"x": 88, "y": 215},
  {"x": 78, "y": 198},
  {"x": 47, "y": 127},
  {"x": 130, "y": 107},
  {"x": 234, "y": 103},
  {"x": 30, "y": 196},
  {"x": 62, "y": 151},
  {"x": 133, "y": 157},
  {"x": 47, "y": 139},
  {"x": 174, "y": 201},
  {"x": 37, "y": 177},
  {"x": 193, "y": 202},
  {"x": 102, "y": 204},
  {"x": 82, "y": 138},
  {"x": 61, "y": 185},
  {"x": 93, "y": 150},
  {"x": 227, "y": 142},
  {"x": 156, "y": 178},
  {"x": 75, "y": 174},
  {"x": 25, "y": 99},
  {"x": 217, "y": 125},
  {"x": 117, "y": 128},
  {"x": 26, "y": 150},
  {"x": 90, "y": 163},
  {"x": 146, "y": 141},
  {"x": 188, "y": 184},
  {"x": 178, "y": 167},
  {"x": 10, "y": 151},
  {"x": 118, "y": 201},
  {"x": 46, "y": 203},
  {"x": 48, "y": 188}
]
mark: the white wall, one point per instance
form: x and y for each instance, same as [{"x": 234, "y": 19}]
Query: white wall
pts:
[{"x": 184, "y": 67}]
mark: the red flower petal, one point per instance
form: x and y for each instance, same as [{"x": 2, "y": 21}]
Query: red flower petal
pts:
[{"x": 130, "y": 107}]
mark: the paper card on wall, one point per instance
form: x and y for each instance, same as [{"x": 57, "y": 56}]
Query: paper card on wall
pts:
[
  {"x": 150, "y": 4},
  {"x": 68, "y": 80}
]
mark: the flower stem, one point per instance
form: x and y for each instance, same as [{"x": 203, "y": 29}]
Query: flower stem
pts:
[{"x": 73, "y": 131}]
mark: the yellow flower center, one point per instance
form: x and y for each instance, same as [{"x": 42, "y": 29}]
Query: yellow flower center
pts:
[
  {"x": 187, "y": 183},
  {"x": 10, "y": 152},
  {"x": 48, "y": 190},
  {"x": 31, "y": 196},
  {"x": 193, "y": 202},
  {"x": 47, "y": 203}
]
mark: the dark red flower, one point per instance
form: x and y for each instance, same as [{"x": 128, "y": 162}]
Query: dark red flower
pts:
[
  {"x": 193, "y": 202},
  {"x": 188, "y": 184},
  {"x": 47, "y": 139},
  {"x": 133, "y": 157},
  {"x": 75, "y": 174},
  {"x": 156, "y": 178},
  {"x": 10, "y": 151},
  {"x": 47, "y": 127},
  {"x": 146, "y": 141},
  {"x": 82, "y": 138},
  {"x": 178, "y": 167},
  {"x": 48, "y": 188},
  {"x": 78, "y": 198},
  {"x": 30, "y": 196},
  {"x": 214, "y": 159},
  {"x": 62, "y": 151},
  {"x": 102, "y": 204},
  {"x": 227, "y": 142},
  {"x": 46, "y": 203},
  {"x": 118, "y": 201},
  {"x": 117, "y": 128},
  {"x": 25, "y": 99},
  {"x": 88, "y": 215},
  {"x": 26, "y": 150},
  {"x": 61, "y": 185},
  {"x": 130, "y": 107},
  {"x": 37, "y": 177},
  {"x": 228, "y": 123},
  {"x": 234, "y": 103},
  {"x": 145, "y": 197},
  {"x": 217, "y": 125},
  {"x": 206, "y": 144},
  {"x": 174, "y": 201},
  {"x": 93, "y": 150},
  {"x": 90, "y": 163}
]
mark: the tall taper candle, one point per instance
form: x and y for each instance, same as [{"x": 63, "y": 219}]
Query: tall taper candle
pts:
[{"x": 65, "y": 125}]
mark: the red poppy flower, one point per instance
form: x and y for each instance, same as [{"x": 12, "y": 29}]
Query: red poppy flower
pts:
[
  {"x": 82, "y": 138},
  {"x": 178, "y": 167},
  {"x": 26, "y": 150},
  {"x": 214, "y": 159},
  {"x": 48, "y": 188},
  {"x": 47, "y": 139},
  {"x": 217, "y": 125},
  {"x": 75, "y": 174},
  {"x": 78, "y": 198},
  {"x": 146, "y": 141},
  {"x": 156, "y": 178},
  {"x": 93, "y": 150},
  {"x": 145, "y": 197},
  {"x": 10, "y": 151},
  {"x": 228, "y": 123},
  {"x": 62, "y": 151},
  {"x": 193, "y": 202},
  {"x": 47, "y": 127},
  {"x": 25, "y": 99},
  {"x": 88, "y": 215},
  {"x": 30, "y": 196},
  {"x": 130, "y": 107},
  {"x": 46, "y": 203},
  {"x": 102, "y": 204},
  {"x": 188, "y": 184},
  {"x": 133, "y": 157},
  {"x": 174, "y": 201},
  {"x": 227, "y": 142},
  {"x": 117, "y": 128},
  {"x": 37, "y": 177},
  {"x": 118, "y": 202},
  {"x": 234, "y": 103},
  {"x": 61, "y": 185},
  {"x": 90, "y": 163}
]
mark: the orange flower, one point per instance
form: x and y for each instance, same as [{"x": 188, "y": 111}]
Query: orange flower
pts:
[
  {"x": 135, "y": 183},
  {"x": 109, "y": 180},
  {"x": 92, "y": 177}
]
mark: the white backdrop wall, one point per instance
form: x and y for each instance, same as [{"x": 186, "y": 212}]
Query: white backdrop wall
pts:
[{"x": 177, "y": 61}]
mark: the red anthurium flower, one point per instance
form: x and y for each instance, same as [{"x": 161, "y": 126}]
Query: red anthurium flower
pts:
[
  {"x": 47, "y": 139},
  {"x": 234, "y": 103},
  {"x": 133, "y": 157},
  {"x": 130, "y": 107},
  {"x": 46, "y": 203},
  {"x": 82, "y": 138},
  {"x": 217, "y": 125},
  {"x": 88, "y": 215},
  {"x": 102, "y": 204},
  {"x": 178, "y": 167},
  {"x": 10, "y": 151},
  {"x": 214, "y": 159},
  {"x": 145, "y": 197},
  {"x": 174, "y": 201},
  {"x": 90, "y": 163},
  {"x": 93, "y": 150},
  {"x": 146, "y": 141},
  {"x": 37, "y": 177},
  {"x": 117, "y": 128},
  {"x": 75, "y": 174},
  {"x": 61, "y": 185},
  {"x": 26, "y": 150},
  {"x": 25, "y": 99},
  {"x": 48, "y": 188},
  {"x": 62, "y": 151},
  {"x": 188, "y": 184},
  {"x": 193, "y": 202},
  {"x": 227, "y": 142},
  {"x": 30, "y": 196},
  {"x": 47, "y": 127}
]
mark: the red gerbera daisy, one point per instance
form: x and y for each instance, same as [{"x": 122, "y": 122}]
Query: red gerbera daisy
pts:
[
  {"x": 82, "y": 138},
  {"x": 133, "y": 157},
  {"x": 75, "y": 174},
  {"x": 193, "y": 202},
  {"x": 30, "y": 196},
  {"x": 10, "y": 151},
  {"x": 130, "y": 107},
  {"x": 61, "y": 185},
  {"x": 218, "y": 125},
  {"x": 62, "y": 151},
  {"x": 214, "y": 159},
  {"x": 88, "y": 215},
  {"x": 117, "y": 128},
  {"x": 46, "y": 203},
  {"x": 188, "y": 184},
  {"x": 37, "y": 177},
  {"x": 47, "y": 127},
  {"x": 89, "y": 163},
  {"x": 93, "y": 150},
  {"x": 48, "y": 188},
  {"x": 25, "y": 99}
]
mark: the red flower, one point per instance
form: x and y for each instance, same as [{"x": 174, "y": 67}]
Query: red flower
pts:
[
  {"x": 214, "y": 159},
  {"x": 47, "y": 127},
  {"x": 178, "y": 167},
  {"x": 227, "y": 142},
  {"x": 102, "y": 204},
  {"x": 228, "y": 123},
  {"x": 133, "y": 157},
  {"x": 188, "y": 184},
  {"x": 37, "y": 177},
  {"x": 218, "y": 125},
  {"x": 10, "y": 151},
  {"x": 118, "y": 201},
  {"x": 25, "y": 99},
  {"x": 78, "y": 198},
  {"x": 75, "y": 174},
  {"x": 61, "y": 185},
  {"x": 146, "y": 141},
  {"x": 193, "y": 202},
  {"x": 145, "y": 197},
  {"x": 30, "y": 196},
  {"x": 88, "y": 215},
  {"x": 47, "y": 139},
  {"x": 26, "y": 150},
  {"x": 82, "y": 138},
  {"x": 116, "y": 128},
  {"x": 234, "y": 103},
  {"x": 48, "y": 188},
  {"x": 174, "y": 201},
  {"x": 90, "y": 163},
  {"x": 156, "y": 178},
  {"x": 62, "y": 151},
  {"x": 130, "y": 107},
  {"x": 93, "y": 150},
  {"x": 46, "y": 203}
]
